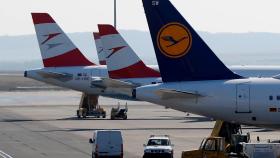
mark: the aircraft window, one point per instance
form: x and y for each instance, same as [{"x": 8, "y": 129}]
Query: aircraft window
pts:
[
  {"x": 278, "y": 97},
  {"x": 272, "y": 109},
  {"x": 271, "y": 97}
]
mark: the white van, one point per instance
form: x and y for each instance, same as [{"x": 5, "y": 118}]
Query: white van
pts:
[{"x": 107, "y": 143}]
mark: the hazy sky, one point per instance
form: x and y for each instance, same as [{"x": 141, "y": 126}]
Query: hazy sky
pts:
[{"x": 83, "y": 15}]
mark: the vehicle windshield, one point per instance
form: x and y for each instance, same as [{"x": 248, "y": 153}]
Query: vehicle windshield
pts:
[
  {"x": 122, "y": 111},
  {"x": 202, "y": 143},
  {"x": 156, "y": 142}
]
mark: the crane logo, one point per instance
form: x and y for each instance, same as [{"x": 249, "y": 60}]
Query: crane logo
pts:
[{"x": 174, "y": 40}]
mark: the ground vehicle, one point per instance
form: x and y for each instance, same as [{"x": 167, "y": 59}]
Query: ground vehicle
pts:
[
  {"x": 217, "y": 147},
  {"x": 158, "y": 146},
  {"x": 98, "y": 112},
  {"x": 119, "y": 113},
  {"x": 212, "y": 147},
  {"x": 107, "y": 143},
  {"x": 260, "y": 150},
  {"x": 90, "y": 107},
  {"x": 224, "y": 142}
]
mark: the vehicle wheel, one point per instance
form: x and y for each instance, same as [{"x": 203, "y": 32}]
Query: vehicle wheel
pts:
[
  {"x": 125, "y": 117},
  {"x": 104, "y": 116},
  {"x": 78, "y": 114},
  {"x": 84, "y": 114},
  {"x": 94, "y": 155}
]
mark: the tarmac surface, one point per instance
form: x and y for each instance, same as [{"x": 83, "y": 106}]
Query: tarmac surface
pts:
[
  {"x": 43, "y": 124},
  {"x": 40, "y": 124},
  {"x": 15, "y": 81}
]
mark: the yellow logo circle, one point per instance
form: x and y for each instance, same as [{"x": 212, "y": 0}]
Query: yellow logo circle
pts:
[{"x": 174, "y": 40}]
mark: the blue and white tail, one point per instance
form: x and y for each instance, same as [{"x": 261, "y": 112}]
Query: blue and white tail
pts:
[{"x": 182, "y": 55}]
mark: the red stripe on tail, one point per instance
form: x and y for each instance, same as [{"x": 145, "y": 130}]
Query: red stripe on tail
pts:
[
  {"x": 96, "y": 35},
  {"x": 42, "y": 18},
  {"x": 71, "y": 58},
  {"x": 106, "y": 30},
  {"x": 102, "y": 62},
  {"x": 138, "y": 70}
]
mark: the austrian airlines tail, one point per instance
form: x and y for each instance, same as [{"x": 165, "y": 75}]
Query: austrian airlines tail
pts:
[
  {"x": 122, "y": 61},
  {"x": 101, "y": 53},
  {"x": 57, "y": 49},
  {"x": 181, "y": 54}
]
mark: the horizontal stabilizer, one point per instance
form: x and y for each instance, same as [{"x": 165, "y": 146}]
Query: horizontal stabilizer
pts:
[
  {"x": 55, "y": 75},
  {"x": 111, "y": 83},
  {"x": 166, "y": 94}
]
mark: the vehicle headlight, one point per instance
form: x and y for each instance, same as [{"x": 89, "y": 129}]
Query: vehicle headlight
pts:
[{"x": 147, "y": 151}]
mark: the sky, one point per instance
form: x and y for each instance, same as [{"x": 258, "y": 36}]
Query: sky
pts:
[{"x": 236, "y": 16}]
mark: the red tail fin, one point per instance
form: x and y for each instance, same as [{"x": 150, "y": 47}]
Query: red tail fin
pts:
[
  {"x": 57, "y": 49},
  {"x": 122, "y": 61}
]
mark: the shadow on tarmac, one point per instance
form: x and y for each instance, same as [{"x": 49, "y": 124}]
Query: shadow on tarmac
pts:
[
  {"x": 188, "y": 119},
  {"x": 122, "y": 129},
  {"x": 89, "y": 118}
]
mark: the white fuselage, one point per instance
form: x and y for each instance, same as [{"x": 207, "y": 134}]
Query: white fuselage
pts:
[
  {"x": 252, "y": 101},
  {"x": 82, "y": 77},
  {"x": 82, "y": 80}
]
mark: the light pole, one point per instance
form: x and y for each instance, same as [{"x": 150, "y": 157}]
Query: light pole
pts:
[{"x": 115, "y": 13}]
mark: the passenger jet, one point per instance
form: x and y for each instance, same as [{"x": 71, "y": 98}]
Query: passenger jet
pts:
[
  {"x": 66, "y": 66},
  {"x": 196, "y": 81}
]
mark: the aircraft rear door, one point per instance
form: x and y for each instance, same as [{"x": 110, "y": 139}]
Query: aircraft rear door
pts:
[
  {"x": 94, "y": 73},
  {"x": 243, "y": 98}
]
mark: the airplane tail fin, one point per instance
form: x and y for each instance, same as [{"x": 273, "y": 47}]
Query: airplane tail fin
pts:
[
  {"x": 100, "y": 50},
  {"x": 56, "y": 48},
  {"x": 122, "y": 61},
  {"x": 182, "y": 55}
]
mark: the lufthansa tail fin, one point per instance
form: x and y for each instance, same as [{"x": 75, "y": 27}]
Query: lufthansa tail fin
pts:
[
  {"x": 99, "y": 48},
  {"x": 56, "y": 48},
  {"x": 182, "y": 55},
  {"x": 122, "y": 61}
]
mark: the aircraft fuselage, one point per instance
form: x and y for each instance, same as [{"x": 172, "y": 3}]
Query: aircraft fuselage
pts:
[
  {"x": 81, "y": 78},
  {"x": 252, "y": 101}
]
